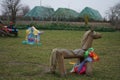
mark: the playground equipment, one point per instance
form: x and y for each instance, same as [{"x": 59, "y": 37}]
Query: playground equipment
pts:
[
  {"x": 32, "y": 36},
  {"x": 58, "y": 55},
  {"x": 8, "y": 30}
]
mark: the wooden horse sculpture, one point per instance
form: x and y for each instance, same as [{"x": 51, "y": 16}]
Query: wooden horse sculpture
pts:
[{"x": 58, "y": 55}]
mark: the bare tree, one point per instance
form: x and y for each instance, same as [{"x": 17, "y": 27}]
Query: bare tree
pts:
[
  {"x": 25, "y": 9},
  {"x": 114, "y": 15},
  {"x": 10, "y": 8}
]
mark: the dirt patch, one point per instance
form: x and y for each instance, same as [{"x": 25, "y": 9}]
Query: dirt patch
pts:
[{"x": 41, "y": 68}]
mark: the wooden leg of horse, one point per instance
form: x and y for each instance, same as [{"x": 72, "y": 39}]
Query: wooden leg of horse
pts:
[
  {"x": 89, "y": 68},
  {"x": 53, "y": 61},
  {"x": 61, "y": 66}
]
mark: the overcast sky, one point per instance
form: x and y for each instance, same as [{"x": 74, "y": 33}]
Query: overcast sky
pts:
[{"x": 101, "y": 5}]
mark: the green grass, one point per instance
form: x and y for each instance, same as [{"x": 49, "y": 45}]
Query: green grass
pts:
[{"x": 26, "y": 62}]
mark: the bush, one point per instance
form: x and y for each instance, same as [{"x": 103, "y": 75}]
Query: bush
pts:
[{"x": 65, "y": 26}]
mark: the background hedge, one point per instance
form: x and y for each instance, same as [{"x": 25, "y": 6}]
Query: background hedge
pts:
[{"x": 62, "y": 26}]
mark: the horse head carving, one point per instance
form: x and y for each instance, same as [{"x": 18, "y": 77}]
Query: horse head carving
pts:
[{"x": 88, "y": 38}]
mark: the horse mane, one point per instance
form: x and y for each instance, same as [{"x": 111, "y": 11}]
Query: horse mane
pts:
[{"x": 85, "y": 36}]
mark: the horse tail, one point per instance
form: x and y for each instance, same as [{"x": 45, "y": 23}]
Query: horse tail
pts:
[{"x": 53, "y": 59}]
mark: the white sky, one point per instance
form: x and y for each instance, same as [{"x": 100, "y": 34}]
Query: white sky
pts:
[{"x": 101, "y": 5}]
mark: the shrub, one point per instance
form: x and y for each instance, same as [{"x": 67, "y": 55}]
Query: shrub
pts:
[{"x": 65, "y": 26}]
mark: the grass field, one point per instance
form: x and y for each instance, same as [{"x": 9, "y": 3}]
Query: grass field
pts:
[{"x": 26, "y": 62}]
